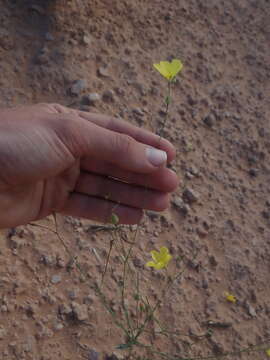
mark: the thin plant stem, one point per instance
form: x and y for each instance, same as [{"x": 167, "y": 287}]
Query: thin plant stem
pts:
[
  {"x": 108, "y": 308},
  {"x": 177, "y": 276},
  {"x": 127, "y": 256},
  {"x": 147, "y": 319},
  {"x": 137, "y": 299},
  {"x": 108, "y": 256},
  {"x": 150, "y": 316},
  {"x": 167, "y": 103},
  {"x": 253, "y": 348}
]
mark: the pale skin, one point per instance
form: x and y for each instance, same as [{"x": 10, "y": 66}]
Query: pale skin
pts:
[{"x": 57, "y": 160}]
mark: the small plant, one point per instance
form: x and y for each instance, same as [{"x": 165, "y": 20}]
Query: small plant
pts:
[
  {"x": 169, "y": 70},
  {"x": 138, "y": 316}
]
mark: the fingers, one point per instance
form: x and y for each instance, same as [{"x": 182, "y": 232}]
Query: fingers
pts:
[
  {"x": 84, "y": 138},
  {"x": 139, "y": 134},
  {"x": 164, "y": 179},
  {"x": 84, "y": 206},
  {"x": 123, "y": 127},
  {"x": 119, "y": 192}
]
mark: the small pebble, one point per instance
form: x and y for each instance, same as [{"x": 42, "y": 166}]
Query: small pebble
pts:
[
  {"x": 3, "y": 308},
  {"x": 78, "y": 87},
  {"x": 91, "y": 99},
  {"x": 266, "y": 214},
  {"x": 92, "y": 355},
  {"x": 80, "y": 311},
  {"x": 108, "y": 96},
  {"x": 190, "y": 196},
  {"x": 56, "y": 279},
  {"x": 138, "y": 111},
  {"x": 3, "y": 332},
  {"x": 48, "y": 36},
  {"x": 58, "y": 326},
  {"x": 253, "y": 172},
  {"x": 209, "y": 120},
  {"x": 181, "y": 206},
  {"x": 86, "y": 40},
  {"x": 251, "y": 310},
  {"x": 72, "y": 294},
  {"x": 103, "y": 72}
]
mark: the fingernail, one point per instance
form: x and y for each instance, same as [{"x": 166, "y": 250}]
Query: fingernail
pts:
[{"x": 155, "y": 156}]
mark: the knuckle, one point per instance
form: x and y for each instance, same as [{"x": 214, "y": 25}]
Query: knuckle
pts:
[
  {"x": 51, "y": 108},
  {"x": 123, "y": 144},
  {"x": 103, "y": 186},
  {"x": 63, "y": 126},
  {"x": 111, "y": 122},
  {"x": 57, "y": 108}
]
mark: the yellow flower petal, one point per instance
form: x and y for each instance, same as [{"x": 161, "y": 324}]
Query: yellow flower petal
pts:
[
  {"x": 164, "y": 250},
  {"x": 160, "y": 265},
  {"x": 169, "y": 69},
  {"x": 230, "y": 297},
  {"x": 176, "y": 66},
  {"x": 168, "y": 258},
  {"x": 151, "y": 264},
  {"x": 161, "y": 68},
  {"x": 160, "y": 259},
  {"x": 268, "y": 352},
  {"x": 155, "y": 255}
]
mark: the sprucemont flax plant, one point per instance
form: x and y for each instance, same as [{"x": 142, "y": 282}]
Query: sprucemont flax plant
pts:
[{"x": 139, "y": 314}]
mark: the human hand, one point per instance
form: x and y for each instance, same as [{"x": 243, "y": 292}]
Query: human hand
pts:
[{"x": 54, "y": 159}]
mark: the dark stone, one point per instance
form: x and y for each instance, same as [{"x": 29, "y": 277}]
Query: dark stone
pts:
[
  {"x": 190, "y": 196},
  {"x": 92, "y": 355},
  {"x": 253, "y": 172},
  {"x": 209, "y": 120},
  {"x": 266, "y": 214},
  {"x": 78, "y": 87},
  {"x": 181, "y": 206},
  {"x": 108, "y": 96},
  {"x": 111, "y": 357}
]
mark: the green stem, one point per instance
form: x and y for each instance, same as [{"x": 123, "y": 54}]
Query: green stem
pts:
[
  {"x": 148, "y": 317},
  {"x": 253, "y": 348},
  {"x": 177, "y": 276},
  {"x": 137, "y": 299},
  {"x": 127, "y": 256},
  {"x": 108, "y": 308},
  {"x": 107, "y": 260},
  {"x": 167, "y": 102}
]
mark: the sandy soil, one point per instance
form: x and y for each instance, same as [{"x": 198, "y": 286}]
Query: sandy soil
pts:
[{"x": 219, "y": 122}]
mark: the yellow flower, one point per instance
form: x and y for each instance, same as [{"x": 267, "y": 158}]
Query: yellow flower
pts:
[
  {"x": 161, "y": 258},
  {"x": 268, "y": 352},
  {"x": 230, "y": 297},
  {"x": 169, "y": 69}
]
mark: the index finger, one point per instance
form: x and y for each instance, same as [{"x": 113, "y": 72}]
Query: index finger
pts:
[{"x": 139, "y": 134}]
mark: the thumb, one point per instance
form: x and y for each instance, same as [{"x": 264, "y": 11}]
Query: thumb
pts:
[{"x": 91, "y": 140}]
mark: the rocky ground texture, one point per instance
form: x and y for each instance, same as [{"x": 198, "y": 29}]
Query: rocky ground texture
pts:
[{"x": 97, "y": 56}]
